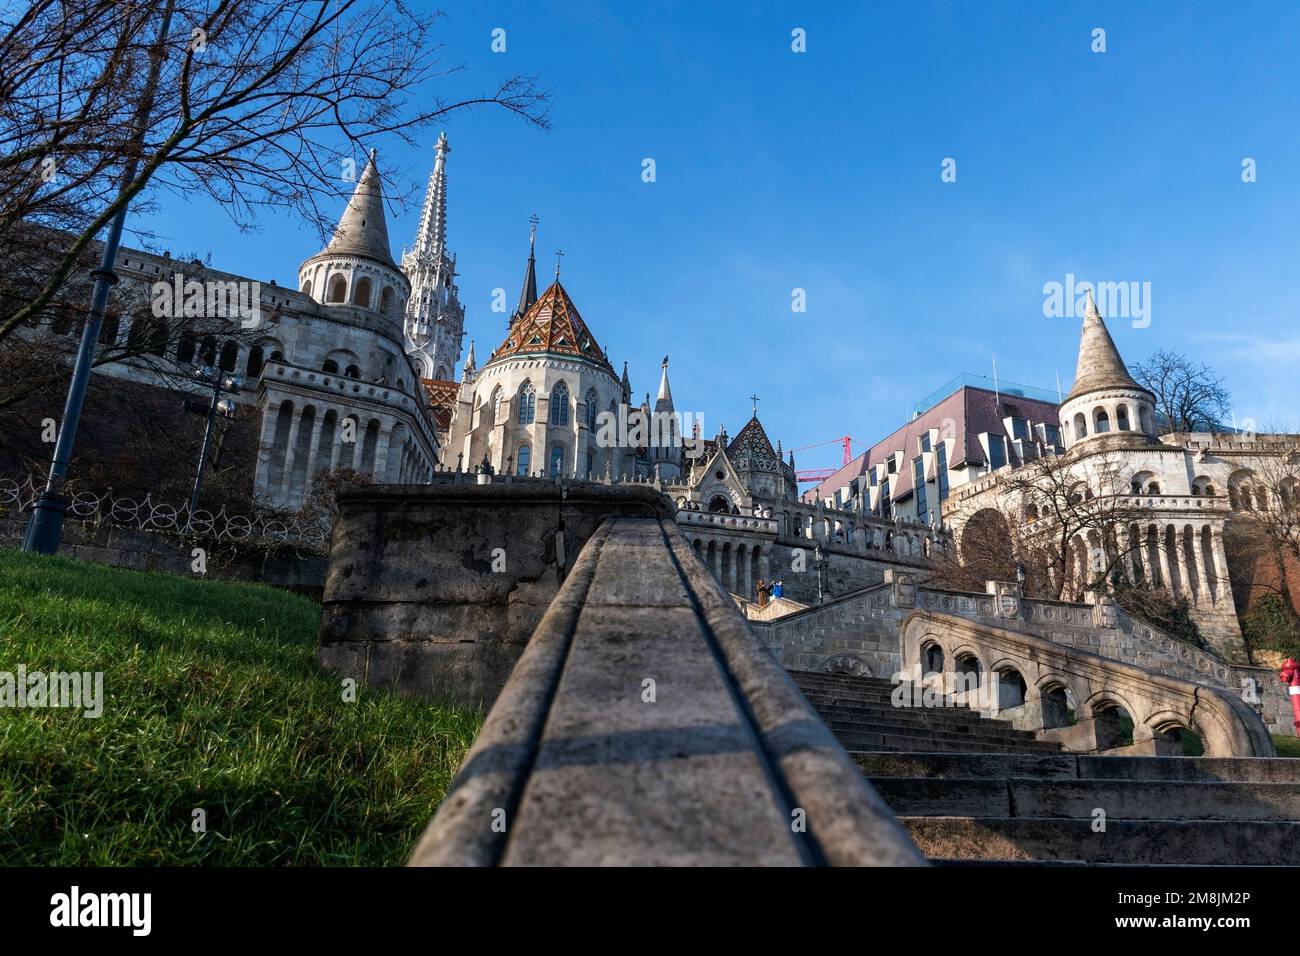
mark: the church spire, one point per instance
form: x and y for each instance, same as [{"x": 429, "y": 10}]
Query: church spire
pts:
[
  {"x": 529, "y": 294},
  {"x": 431, "y": 238},
  {"x": 627, "y": 385},
  {"x": 470, "y": 365},
  {"x": 363, "y": 229},
  {"x": 664, "y": 400}
]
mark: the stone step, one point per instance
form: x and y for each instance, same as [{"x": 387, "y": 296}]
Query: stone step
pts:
[
  {"x": 1082, "y": 766},
  {"x": 1142, "y": 842},
  {"x": 1078, "y": 799},
  {"x": 938, "y": 719},
  {"x": 847, "y": 727},
  {"x": 929, "y": 743}
]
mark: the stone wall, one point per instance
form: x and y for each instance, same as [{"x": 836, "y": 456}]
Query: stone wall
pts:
[
  {"x": 300, "y": 571},
  {"x": 435, "y": 590}
]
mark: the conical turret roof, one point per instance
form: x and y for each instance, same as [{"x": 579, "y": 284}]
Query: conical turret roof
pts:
[
  {"x": 1100, "y": 365},
  {"x": 363, "y": 229}
]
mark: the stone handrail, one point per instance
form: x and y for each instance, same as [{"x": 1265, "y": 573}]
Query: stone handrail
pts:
[
  {"x": 1155, "y": 702},
  {"x": 645, "y": 724}
]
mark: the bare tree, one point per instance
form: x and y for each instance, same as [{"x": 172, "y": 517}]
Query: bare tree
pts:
[
  {"x": 261, "y": 106},
  {"x": 1064, "y": 519},
  {"x": 1189, "y": 396}
]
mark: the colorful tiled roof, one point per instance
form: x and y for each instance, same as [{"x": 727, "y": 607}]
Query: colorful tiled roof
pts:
[{"x": 552, "y": 325}]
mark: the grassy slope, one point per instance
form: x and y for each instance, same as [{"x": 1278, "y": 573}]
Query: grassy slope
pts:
[{"x": 212, "y": 702}]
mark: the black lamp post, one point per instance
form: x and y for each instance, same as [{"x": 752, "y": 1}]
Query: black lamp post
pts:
[
  {"x": 220, "y": 382},
  {"x": 1020, "y": 578},
  {"x": 45, "y": 528}
]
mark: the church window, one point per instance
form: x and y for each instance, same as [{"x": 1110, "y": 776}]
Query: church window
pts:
[
  {"x": 386, "y": 300},
  {"x": 719, "y": 505},
  {"x": 255, "y": 362},
  {"x": 591, "y": 410},
  {"x": 229, "y": 356},
  {"x": 306, "y": 286},
  {"x": 1101, "y": 421},
  {"x": 1080, "y": 426},
  {"x": 352, "y": 372},
  {"x": 591, "y": 464},
  {"x": 560, "y": 405},
  {"x": 1121, "y": 418},
  {"x": 330, "y": 366},
  {"x": 496, "y": 405},
  {"x": 523, "y": 456},
  {"x": 557, "y": 461},
  {"x": 527, "y": 404},
  {"x": 208, "y": 352}
]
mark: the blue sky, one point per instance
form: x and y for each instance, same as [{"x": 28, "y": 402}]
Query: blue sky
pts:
[{"x": 821, "y": 171}]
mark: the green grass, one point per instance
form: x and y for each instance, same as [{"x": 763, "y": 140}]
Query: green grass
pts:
[
  {"x": 1287, "y": 746},
  {"x": 213, "y": 702}
]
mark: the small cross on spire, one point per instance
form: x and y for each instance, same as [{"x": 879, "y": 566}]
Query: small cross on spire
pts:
[
  {"x": 559, "y": 253},
  {"x": 532, "y": 231},
  {"x": 754, "y": 399}
]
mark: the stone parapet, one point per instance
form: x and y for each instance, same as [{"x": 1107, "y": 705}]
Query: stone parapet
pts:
[{"x": 434, "y": 590}]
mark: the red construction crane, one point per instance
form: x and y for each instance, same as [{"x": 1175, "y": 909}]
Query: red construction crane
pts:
[{"x": 821, "y": 474}]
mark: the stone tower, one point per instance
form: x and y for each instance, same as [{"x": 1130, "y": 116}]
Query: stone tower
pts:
[{"x": 435, "y": 318}]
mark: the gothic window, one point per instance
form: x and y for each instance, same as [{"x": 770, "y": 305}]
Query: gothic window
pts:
[
  {"x": 208, "y": 351},
  {"x": 560, "y": 405},
  {"x": 591, "y": 410},
  {"x": 591, "y": 464},
  {"x": 557, "y": 461},
  {"x": 441, "y": 374},
  {"x": 330, "y": 366},
  {"x": 306, "y": 286},
  {"x": 496, "y": 405},
  {"x": 719, "y": 505},
  {"x": 255, "y": 362},
  {"x": 1101, "y": 421},
  {"x": 1121, "y": 418},
  {"x": 352, "y": 372},
  {"x": 386, "y": 300},
  {"x": 527, "y": 404},
  {"x": 1080, "y": 426},
  {"x": 522, "y": 457}
]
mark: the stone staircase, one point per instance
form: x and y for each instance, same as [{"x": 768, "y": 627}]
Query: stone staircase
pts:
[
  {"x": 860, "y": 712},
  {"x": 972, "y": 790},
  {"x": 1018, "y": 808}
]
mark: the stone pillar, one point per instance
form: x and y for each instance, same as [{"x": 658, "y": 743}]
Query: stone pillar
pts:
[
  {"x": 731, "y": 570},
  {"x": 290, "y": 455},
  {"x": 336, "y": 446},
  {"x": 1224, "y": 588},
  {"x": 265, "y": 450},
  {"x": 1125, "y": 541},
  {"x": 1162, "y": 552},
  {"x": 313, "y": 450},
  {"x": 381, "y": 451}
]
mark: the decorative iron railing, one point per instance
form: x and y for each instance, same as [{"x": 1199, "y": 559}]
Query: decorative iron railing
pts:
[{"x": 98, "y": 508}]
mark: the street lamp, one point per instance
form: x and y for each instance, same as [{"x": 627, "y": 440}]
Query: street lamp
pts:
[
  {"x": 219, "y": 382},
  {"x": 1020, "y": 577}
]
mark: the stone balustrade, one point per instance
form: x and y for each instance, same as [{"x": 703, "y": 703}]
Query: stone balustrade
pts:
[
  {"x": 1040, "y": 680},
  {"x": 646, "y": 725}
]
